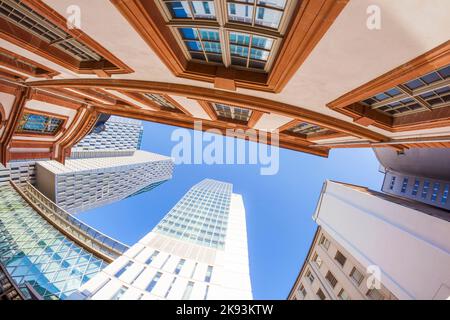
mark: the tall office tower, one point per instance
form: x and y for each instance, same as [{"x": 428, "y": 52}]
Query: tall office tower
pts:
[
  {"x": 111, "y": 136},
  {"x": 365, "y": 238},
  {"x": 82, "y": 184},
  {"x": 45, "y": 252},
  {"x": 419, "y": 174},
  {"x": 197, "y": 251}
]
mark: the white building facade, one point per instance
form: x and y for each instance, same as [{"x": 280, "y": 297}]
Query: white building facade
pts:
[
  {"x": 197, "y": 251},
  {"x": 408, "y": 241},
  {"x": 83, "y": 184}
]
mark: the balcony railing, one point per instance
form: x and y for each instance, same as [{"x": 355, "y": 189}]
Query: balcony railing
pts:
[{"x": 87, "y": 237}]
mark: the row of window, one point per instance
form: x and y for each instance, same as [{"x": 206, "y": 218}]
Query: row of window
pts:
[
  {"x": 436, "y": 188},
  {"x": 356, "y": 275}
]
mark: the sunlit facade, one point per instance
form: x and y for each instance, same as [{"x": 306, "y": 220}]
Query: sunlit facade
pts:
[{"x": 197, "y": 251}]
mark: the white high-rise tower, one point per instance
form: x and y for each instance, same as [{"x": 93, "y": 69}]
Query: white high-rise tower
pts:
[{"x": 197, "y": 251}]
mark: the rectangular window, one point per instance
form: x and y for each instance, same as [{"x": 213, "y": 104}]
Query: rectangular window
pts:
[
  {"x": 321, "y": 295},
  {"x": 206, "y": 293},
  {"x": 357, "y": 276},
  {"x": 391, "y": 186},
  {"x": 375, "y": 294},
  {"x": 343, "y": 295},
  {"x": 188, "y": 291},
  {"x": 445, "y": 194},
  {"x": 324, "y": 242},
  {"x": 170, "y": 287},
  {"x": 331, "y": 279},
  {"x": 154, "y": 281},
  {"x": 317, "y": 260},
  {"x": 339, "y": 257},
  {"x": 38, "y": 124},
  {"x": 208, "y": 274},
  {"x": 404, "y": 185},
  {"x": 416, "y": 187},
  {"x": 179, "y": 266},
  {"x": 436, "y": 187},
  {"x": 426, "y": 186},
  {"x": 301, "y": 291},
  {"x": 309, "y": 276},
  {"x": 153, "y": 256},
  {"x": 124, "y": 268},
  {"x": 119, "y": 293}
]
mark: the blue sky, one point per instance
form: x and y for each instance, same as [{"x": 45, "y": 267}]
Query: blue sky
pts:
[{"x": 278, "y": 207}]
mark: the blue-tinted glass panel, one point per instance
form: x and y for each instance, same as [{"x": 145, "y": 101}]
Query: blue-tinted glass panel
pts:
[
  {"x": 194, "y": 45},
  {"x": 239, "y": 51},
  {"x": 259, "y": 54},
  {"x": 280, "y": 4},
  {"x": 209, "y": 35},
  {"x": 268, "y": 17},
  {"x": 262, "y": 42},
  {"x": 239, "y": 38},
  {"x": 203, "y": 9},
  {"x": 212, "y": 47},
  {"x": 240, "y": 13},
  {"x": 179, "y": 9},
  {"x": 188, "y": 33}
]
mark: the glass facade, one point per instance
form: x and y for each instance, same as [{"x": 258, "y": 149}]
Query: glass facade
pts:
[
  {"x": 201, "y": 216},
  {"x": 36, "y": 253},
  {"x": 427, "y": 92},
  {"x": 305, "y": 128},
  {"x": 35, "y": 123}
]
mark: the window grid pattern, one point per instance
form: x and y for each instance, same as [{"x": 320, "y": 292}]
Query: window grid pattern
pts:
[
  {"x": 201, "y": 216},
  {"x": 231, "y": 112},
  {"x": 225, "y": 45},
  {"x": 427, "y": 92},
  {"x": 39, "y": 124},
  {"x": 305, "y": 128},
  {"x": 36, "y": 253},
  {"x": 160, "y": 100},
  {"x": 23, "y": 16}
]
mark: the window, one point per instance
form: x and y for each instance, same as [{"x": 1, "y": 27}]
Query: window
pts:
[
  {"x": 317, "y": 260},
  {"x": 391, "y": 186},
  {"x": 38, "y": 124},
  {"x": 301, "y": 291},
  {"x": 208, "y": 274},
  {"x": 188, "y": 290},
  {"x": 309, "y": 276},
  {"x": 244, "y": 49},
  {"x": 191, "y": 9},
  {"x": 339, "y": 257},
  {"x": 436, "y": 187},
  {"x": 416, "y": 187},
  {"x": 321, "y": 295},
  {"x": 375, "y": 294},
  {"x": 46, "y": 32},
  {"x": 343, "y": 295},
  {"x": 160, "y": 100},
  {"x": 153, "y": 256},
  {"x": 170, "y": 287},
  {"x": 230, "y": 112},
  {"x": 445, "y": 194},
  {"x": 206, "y": 293},
  {"x": 179, "y": 266},
  {"x": 119, "y": 293},
  {"x": 356, "y": 275},
  {"x": 331, "y": 279},
  {"x": 426, "y": 186},
  {"x": 324, "y": 242},
  {"x": 124, "y": 268},
  {"x": 404, "y": 185},
  {"x": 306, "y": 128},
  {"x": 154, "y": 281},
  {"x": 427, "y": 92}
]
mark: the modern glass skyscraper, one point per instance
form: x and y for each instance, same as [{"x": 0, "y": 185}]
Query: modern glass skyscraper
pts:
[
  {"x": 197, "y": 251},
  {"x": 82, "y": 184},
  {"x": 35, "y": 253}
]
